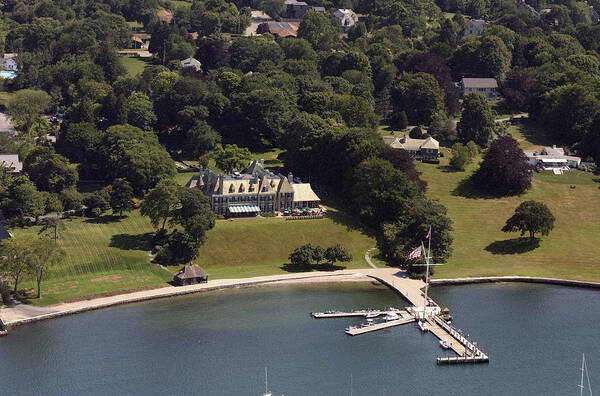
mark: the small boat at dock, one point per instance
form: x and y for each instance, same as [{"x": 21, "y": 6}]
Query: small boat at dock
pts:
[
  {"x": 423, "y": 326},
  {"x": 391, "y": 316},
  {"x": 444, "y": 344}
]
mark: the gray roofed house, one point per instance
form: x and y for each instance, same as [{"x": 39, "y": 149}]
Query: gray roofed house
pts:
[
  {"x": 424, "y": 149},
  {"x": 474, "y": 27},
  {"x": 346, "y": 17},
  {"x": 190, "y": 275},
  {"x": 192, "y": 63},
  {"x": 485, "y": 86},
  {"x": 11, "y": 163},
  {"x": 295, "y": 9},
  {"x": 523, "y": 6},
  {"x": 552, "y": 158}
]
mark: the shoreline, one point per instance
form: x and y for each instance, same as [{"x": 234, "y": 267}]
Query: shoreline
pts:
[
  {"x": 522, "y": 279},
  {"x": 22, "y": 314}
]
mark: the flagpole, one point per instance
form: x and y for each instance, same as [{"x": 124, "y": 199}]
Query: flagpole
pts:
[{"x": 426, "y": 279}]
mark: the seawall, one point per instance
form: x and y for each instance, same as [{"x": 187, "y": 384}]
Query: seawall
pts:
[{"x": 524, "y": 279}]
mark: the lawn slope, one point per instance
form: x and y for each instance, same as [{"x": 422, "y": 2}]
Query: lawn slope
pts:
[{"x": 571, "y": 251}]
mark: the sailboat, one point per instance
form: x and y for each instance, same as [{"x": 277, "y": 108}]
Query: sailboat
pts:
[
  {"x": 584, "y": 372},
  {"x": 267, "y": 393}
]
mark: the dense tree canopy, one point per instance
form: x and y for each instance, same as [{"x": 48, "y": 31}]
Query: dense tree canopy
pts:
[{"x": 504, "y": 170}]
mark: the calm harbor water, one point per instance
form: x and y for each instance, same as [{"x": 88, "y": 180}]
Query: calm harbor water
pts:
[{"x": 219, "y": 343}]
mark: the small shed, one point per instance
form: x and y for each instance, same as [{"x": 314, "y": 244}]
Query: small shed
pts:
[{"x": 190, "y": 275}]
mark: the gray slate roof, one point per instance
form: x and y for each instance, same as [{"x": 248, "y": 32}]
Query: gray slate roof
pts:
[
  {"x": 190, "y": 271},
  {"x": 479, "y": 83}
]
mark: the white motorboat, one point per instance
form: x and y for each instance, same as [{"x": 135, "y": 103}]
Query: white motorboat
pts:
[
  {"x": 423, "y": 326},
  {"x": 444, "y": 344},
  {"x": 371, "y": 315},
  {"x": 391, "y": 316}
]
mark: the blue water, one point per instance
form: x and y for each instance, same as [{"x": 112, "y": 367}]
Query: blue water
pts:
[
  {"x": 7, "y": 74},
  {"x": 219, "y": 343}
]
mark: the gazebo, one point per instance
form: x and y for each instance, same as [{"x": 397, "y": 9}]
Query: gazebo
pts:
[{"x": 190, "y": 275}]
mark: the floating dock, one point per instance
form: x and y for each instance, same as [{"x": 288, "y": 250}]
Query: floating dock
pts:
[
  {"x": 361, "y": 312},
  {"x": 378, "y": 326},
  {"x": 462, "y": 360}
]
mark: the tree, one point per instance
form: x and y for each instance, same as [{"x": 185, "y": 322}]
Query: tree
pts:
[
  {"x": 302, "y": 256},
  {"x": 52, "y": 224},
  {"x": 337, "y": 253},
  {"x": 26, "y": 107},
  {"x": 318, "y": 29},
  {"x": 493, "y": 56},
  {"x": 121, "y": 197},
  {"x": 201, "y": 138},
  {"x": 478, "y": 120},
  {"x": 128, "y": 152},
  {"x": 140, "y": 112},
  {"x": 44, "y": 254},
  {"x": 273, "y": 8},
  {"x": 26, "y": 200},
  {"x": 193, "y": 213},
  {"x": 461, "y": 156},
  {"x": 530, "y": 216},
  {"x": 405, "y": 232},
  {"x": 230, "y": 157},
  {"x": 49, "y": 171},
  {"x": 378, "y": 192},
  {"x": 419, "y": 95},
  {"x": 15, "y": 256},
  {"x": 318, "y": 254},
  {"x": 160, "y": 202},
  {"x": 181, "y": 248},
  {"x": 504, "y": 170}
]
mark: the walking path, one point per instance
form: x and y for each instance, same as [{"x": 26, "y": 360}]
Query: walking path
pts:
[
  {"x": 368, "y": 258},
  {"x": 23, "y": 313}
]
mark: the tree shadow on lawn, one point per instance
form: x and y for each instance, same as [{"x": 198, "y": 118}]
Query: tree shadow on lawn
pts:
[
  {"x": 513, "y": 246},
  {"x": 448, "y": 169},
  {"x": 467, "y": 189},
  {"x": 106, "y": 219},
  {"x": 535, "y": 134},
  {"x": 351, "y": 223},
  {"x": 132, "y": 242},
  {"x": 289, "y": 267}
]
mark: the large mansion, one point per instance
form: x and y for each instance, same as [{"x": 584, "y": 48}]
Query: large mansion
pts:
[{"x": 253, "y": 191}]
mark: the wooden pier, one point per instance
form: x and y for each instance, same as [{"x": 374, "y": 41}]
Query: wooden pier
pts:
[
  {"x": 378, "y": 326},
  {"x": 410, "y": 289}
]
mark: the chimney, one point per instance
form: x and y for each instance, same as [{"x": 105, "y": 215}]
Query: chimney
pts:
[
  {"x": 220, "y": 184},
  {"x": 554, "y": 146},
  {"x": 262, "y": 162},
  {"x": 290, "y": 177}
]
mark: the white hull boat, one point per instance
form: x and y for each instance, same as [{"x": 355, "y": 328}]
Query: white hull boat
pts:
[{"x": 423, "y": 326}]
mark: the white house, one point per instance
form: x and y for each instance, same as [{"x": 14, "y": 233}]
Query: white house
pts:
[
  {"x": 552, "y": 158},
  {"x": 486, "y": 86},
  {"x": 474, "y": 27},
  {"x": 9, "y": 62},
  {"x": 346, "y": 17}
]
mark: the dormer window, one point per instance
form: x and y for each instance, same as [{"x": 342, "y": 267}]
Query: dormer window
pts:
[
  {"x": 242, "y": 188},
  {"x": 231, "y": 189}
]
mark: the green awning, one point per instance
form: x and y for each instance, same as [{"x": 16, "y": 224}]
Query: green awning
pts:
[{"x": 243, "y": 209}]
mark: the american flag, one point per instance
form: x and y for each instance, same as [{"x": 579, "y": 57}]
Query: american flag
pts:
[
  {"x": 415, "y": 253},
  {"x": 428, "y": 233}
]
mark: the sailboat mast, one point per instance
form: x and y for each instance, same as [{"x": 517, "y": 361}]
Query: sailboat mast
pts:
[
  {"x": 582, "y": 372},
  {"x": 266, "y": 382}
]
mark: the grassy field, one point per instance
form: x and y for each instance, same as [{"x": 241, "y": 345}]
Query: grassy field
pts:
[
  {"x": 103, "y": 255},
  {"x": 107, "y": 255},
  {"x": 134, "y": 66},
  {"x": 571, "y": 250}
]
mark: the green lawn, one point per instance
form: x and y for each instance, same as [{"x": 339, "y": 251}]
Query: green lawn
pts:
[
  {"x": 108, "y": 255},
  {"x": 571, "y": 250},
  {"x": 134, "y": 66},
  {"x": 103, "y": 255}
]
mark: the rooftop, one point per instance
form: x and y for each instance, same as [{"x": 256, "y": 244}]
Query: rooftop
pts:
[
  {"x": 190, "y": 271},
  {"x": 479, "y": 83},
  {"x": 11, "y": 161}
]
